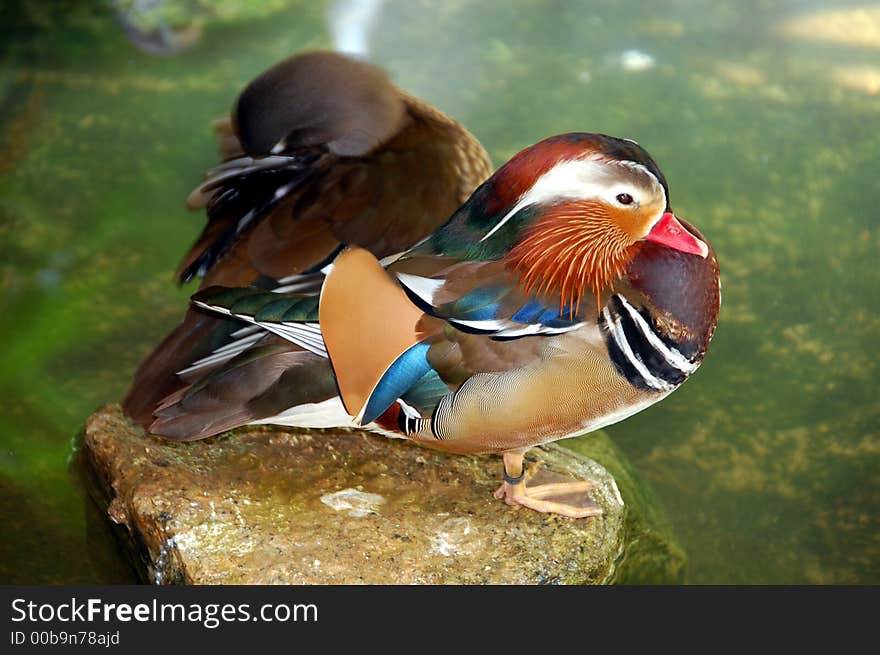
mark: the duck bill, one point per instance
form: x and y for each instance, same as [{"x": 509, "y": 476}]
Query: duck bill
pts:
[{"x": 672, "y": 234}]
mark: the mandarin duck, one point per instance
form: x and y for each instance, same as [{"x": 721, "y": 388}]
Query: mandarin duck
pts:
[
  {"x": 319, "y": 151},
  {"x": 562, "y": 297}
]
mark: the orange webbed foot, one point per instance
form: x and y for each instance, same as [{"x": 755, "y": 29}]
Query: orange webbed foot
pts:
[{"x": 514, "y": 491}]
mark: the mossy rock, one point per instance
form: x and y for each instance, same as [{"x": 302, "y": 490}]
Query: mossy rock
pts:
[{"x": 270, "y": 506}]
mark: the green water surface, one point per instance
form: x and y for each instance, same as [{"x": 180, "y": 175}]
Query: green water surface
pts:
[{"x": 767, "y": 461}]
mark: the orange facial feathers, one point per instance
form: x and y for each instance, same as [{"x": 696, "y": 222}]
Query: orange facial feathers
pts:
[{"x": 574, "y": 248}]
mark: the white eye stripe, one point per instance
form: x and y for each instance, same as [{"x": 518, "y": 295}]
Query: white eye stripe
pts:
[{"x": 590, "y": 177}]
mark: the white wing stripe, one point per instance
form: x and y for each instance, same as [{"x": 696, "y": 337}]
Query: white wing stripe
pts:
[
  {"x": 222, "y": 354},
  {"x": 424, "y": 287},
  {"x": 239, "y": 344},
  {"x": 246, "y": 330},
  {"x": 506, "y": 328}
]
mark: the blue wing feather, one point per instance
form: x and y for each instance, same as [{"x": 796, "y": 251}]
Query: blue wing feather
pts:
[
  {"x": 531, "y": 312},
  {"x": 480, "y": 304},
  {"x": 426, "y": 393},
  {"x": 406, "y": 371},
  {"x": 490, "y": 310}
]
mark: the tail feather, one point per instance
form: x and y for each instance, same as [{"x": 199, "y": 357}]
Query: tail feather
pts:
[
  {"x": 156, "y": 378},
  {"x": 265, "y": 382}
]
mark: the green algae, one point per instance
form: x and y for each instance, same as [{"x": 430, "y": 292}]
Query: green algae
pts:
[{"x": 652, "y": 554}]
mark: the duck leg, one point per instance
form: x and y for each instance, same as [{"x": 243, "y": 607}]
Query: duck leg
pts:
[{"x": 515, "y": 492}]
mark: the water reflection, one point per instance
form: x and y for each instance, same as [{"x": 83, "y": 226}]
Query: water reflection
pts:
[{"x": 351, "y": 23}]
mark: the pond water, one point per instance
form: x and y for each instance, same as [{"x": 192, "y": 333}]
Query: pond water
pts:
[{"x": 765, "y": 117}]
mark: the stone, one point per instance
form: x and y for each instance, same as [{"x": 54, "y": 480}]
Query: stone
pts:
[{"x": 265, "y": 505}]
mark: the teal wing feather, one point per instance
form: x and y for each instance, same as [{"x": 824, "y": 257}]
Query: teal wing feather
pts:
[
  {"x": 291, "y": 316},
  {"x": 490, "y": 304},
  {"x": 250, "y": 303}
]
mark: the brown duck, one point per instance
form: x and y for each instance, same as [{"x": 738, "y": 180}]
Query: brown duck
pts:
[{"x": 320, "y": 151}]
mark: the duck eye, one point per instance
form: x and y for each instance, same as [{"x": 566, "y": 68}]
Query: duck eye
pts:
[{"x": 624, "y": 198}]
